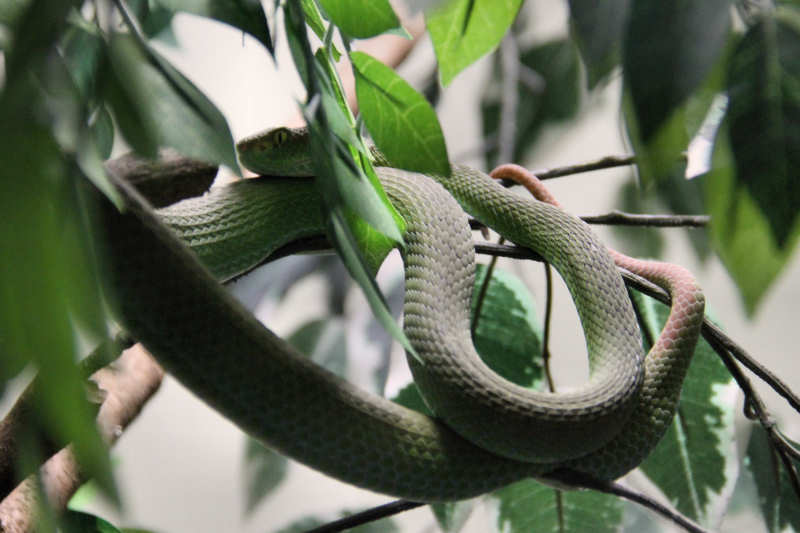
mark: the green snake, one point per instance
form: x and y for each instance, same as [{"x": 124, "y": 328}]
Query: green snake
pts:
[{"x": 163, "y": 269}]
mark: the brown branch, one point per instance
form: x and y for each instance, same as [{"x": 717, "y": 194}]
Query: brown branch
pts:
[
  {"x": 23, "y": 415},
  {"x": 127, "y": 383},
  {"x": 609, "y": 161}
]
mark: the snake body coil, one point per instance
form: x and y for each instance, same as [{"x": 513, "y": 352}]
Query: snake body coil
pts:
[{"x": 177, "y": 309}]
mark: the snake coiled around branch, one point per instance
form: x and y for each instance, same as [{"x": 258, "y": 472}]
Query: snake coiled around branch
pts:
[{"x": 491, "y": 433}]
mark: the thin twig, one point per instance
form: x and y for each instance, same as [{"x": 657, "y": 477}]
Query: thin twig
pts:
[
  {"x": 364, "y": 517},
  {"x": 618, "y": 218},
  {"x": 754, "y": 405},
  {"x": 548, "y": 312},
  {"x": 754, "y": 366},
  {"x": 482, "y": 292},
  {"x": 616, "y": 489},
  {"x": 609, "y": 161}
]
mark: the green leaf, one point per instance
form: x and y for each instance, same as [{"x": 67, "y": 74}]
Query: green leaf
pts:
[
  {"x": 348, "y": 250},
  {"x": 314, "y": 21},
  {"x": 352, "y": 203},
  {"x": 35, "y": 25},
  {"x": 410, "y": 397},
  {"x": 556, "y": 97},
  {"x": 48, "y": 279},
  {"x": 451, "y": 516},
  {"x": 153, "y": 17},
  {"x": 696, "y": 463},
  {"x": 77, "y": 522},
  {"x": 361, "y": 18},
  {"x": 462, "y": 31},
  {"x": 530, "y": 506},
  {"x": 669, "y": 49},
  {"x": 101, "y": 126},
  {"x": 777, "y": 499},
  {"x": 764, "y": 114},
  {"x": 153, "y": 102},
  {"x": 740, "y": 230},
  {"x": 264, "y": 471},
  {"x": 247, "y": 15},
  {"x": 508, "y": 336},
  {"x": 313, "y": 17},
  {"x": 324, "y": 342},
  {"x": 598, "y": 28},
  {"x": 393, "y": 110}
]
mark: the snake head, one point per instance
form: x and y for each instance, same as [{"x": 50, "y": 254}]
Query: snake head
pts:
[{"x": 277, "y": 152}]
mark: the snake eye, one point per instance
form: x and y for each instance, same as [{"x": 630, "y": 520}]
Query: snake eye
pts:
[{"x": 281, "y": 136}]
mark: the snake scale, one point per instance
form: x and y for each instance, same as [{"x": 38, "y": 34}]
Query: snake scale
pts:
[{"x": 487, "y": 432}]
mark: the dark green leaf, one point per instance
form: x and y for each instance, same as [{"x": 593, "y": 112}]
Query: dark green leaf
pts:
[
  {"x": 696, "y": 463},
  {"x": 555, "y": 98},
  {"x": 83, "y": 52},
  {"x": 35, "y": 25},
  {"x": 155, "y": 104},
  {"x": 410, "y": 397},
  {"x": 348, "y": 251},
  {"x": 314, "y": 21},
  {"x": 462, "y": 31},
  {"x": 451, "y": 516},
  {"x": 77, "y": 522},
  {"x": 393, "y": 110},
  {"x": 764, "y": 114},
  {"x": 777, "y": 499},
  {"x": 669, "y": 49},
  {"x": 360, "y": 220},
  {"x": 247, "y": 15},
  {"x": 361, "y": 18},
  {"x": 48, "y": 278},
  {"x": 530, "y": 506},
  {"x": 101, "y": 127},
  {"x": 740, "y": 230},
  {"x": 508, "y": 334},
  {"x": 264, "y": 471},
  {"x": 598, "y": 29},
  {"x": 324, "y": 342},
  {"x": 313, "y": 17}
]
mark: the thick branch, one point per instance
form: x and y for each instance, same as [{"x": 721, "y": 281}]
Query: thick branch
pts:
[
  {"x": 127, "y": 383},
  {"x": 22, "y": 415}
]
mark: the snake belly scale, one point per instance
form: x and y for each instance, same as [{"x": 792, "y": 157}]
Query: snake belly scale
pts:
[{"x": 175, "y": 306}]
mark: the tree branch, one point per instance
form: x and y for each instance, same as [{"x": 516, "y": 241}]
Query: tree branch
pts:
[
  {"x": 127, "y": 383},
  {"x": 23, "y": 415}
]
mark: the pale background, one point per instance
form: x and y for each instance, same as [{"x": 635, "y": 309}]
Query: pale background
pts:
[{"x": 179, "y": 466}]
